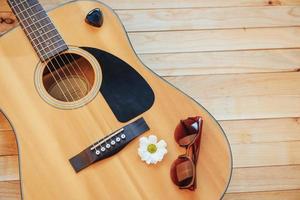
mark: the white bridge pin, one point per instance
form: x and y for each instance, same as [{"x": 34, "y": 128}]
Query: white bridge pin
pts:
[
  {"x": 102, "y": 149},
  {"x": 107, "y": 146},
  {"x": 123, "y": 136},
  {"x": 118, "y": 139},
  {"x": 97, "y": 152},
  {"x": 113, "y": 142}
]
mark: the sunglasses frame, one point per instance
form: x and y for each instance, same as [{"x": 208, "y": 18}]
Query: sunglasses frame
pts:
[{"x": 194, "y": 156}]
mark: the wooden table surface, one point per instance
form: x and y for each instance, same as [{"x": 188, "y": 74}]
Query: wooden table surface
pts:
[{"x": 238, "y": 58}]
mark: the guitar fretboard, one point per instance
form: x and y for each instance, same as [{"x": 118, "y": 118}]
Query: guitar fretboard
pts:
[{"x": 38, "y": 27}]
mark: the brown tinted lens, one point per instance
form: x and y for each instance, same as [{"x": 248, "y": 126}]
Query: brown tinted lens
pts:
[
  {"x": 182, "y": 172},
  {"x": 186, "y": 131}
]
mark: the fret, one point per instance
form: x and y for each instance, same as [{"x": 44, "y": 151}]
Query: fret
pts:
[
  {"x": 25, "y": 11},
  {"x": 44, "y": 28},
  {"x": 38, "y": 27},
  {"x": 44, "y": 45},
  {"x": 54, "y": 51},
  {"x": 36, "y": 15},
  {"x": 40, "y": 38},
  {"x": 33, "y": 25},
  {"x": 43, "y": 48},
  {"x": 21, "y": 2},
  {"x": 49, "y": 40}
]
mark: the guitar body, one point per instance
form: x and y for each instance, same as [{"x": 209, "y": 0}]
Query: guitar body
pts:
[{"x": 49, "y": 136}]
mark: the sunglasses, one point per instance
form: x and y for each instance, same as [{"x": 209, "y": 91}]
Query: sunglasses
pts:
[{"x": 188, "y": 135}]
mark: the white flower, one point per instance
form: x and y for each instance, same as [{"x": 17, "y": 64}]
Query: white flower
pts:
[{"x": 152, "y": 151}]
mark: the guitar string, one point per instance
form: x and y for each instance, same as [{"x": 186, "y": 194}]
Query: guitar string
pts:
[
  {"x": 77, "y": 65},
  {"x": 73, "y": 59},
  {"x": 83, "y": 74},
  {"x": 47, "y": 57},
  {"x": 45, "y": 53},
  {"x": 91, "y": 137},
  {"x": 71, "y": 55},
  {"x": 96, "y": 135},
  {"x": 29, "y": 35},
  {"x": 59, "y": 55},
  {"x": 88, "y": 135}
]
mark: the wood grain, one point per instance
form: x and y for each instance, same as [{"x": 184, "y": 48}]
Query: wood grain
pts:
[
  {"x": 145, "y": 4},
  {"x": 209, "y": 18},
  {"x": 262, "y": 131},
  {"x": 9, "y": 168},
  {"x": 272, "y": 195},
  {"x": 226, "y": 62},
  {"x": 10, "y": 190},
  {"x": 265, "y": 179},
  {"x": 8, "y": 145},
  {"x": 47, "y": 143},
  {"x": 235, "y": 70},
  {"x": 216, "y": 40}
]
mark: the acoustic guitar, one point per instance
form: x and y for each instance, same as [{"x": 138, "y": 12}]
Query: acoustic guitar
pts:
[{"x": 79, "y": 99}]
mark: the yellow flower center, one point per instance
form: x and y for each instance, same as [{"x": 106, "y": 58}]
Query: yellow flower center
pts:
[{"x": 151, "y": 148}]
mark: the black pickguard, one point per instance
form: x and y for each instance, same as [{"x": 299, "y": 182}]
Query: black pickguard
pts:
[{"x": 126, "y": 91}]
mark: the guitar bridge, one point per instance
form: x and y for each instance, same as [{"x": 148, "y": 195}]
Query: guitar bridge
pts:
[{"x": 109, "y": 145}]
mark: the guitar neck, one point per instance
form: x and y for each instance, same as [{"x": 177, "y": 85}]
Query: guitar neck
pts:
[{"x": 38, "y": 27}]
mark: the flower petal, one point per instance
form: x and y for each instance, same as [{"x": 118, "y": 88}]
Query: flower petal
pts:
[
  {"x": 144, "y": 141},
  {"x": 161, "y": 144},
  {"x": 152, "y": 139}
]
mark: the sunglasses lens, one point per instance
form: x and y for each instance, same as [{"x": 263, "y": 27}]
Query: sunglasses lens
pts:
[
  {"x": 187, "y": 130},
  {"x": 182, "y": 172}
]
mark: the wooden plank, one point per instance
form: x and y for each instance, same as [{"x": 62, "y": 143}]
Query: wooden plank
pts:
[
  {"x": 8, "y": 144},
  {"x": 262, "y": 179},
  {"x": 209, "y": 18},
  {"x": 265, "y": 179},
  {"x": 215, "y": 40},
  {"x": 223, "y": 62},
  {"x": 10, "y": 190},
  {"x": 9, "y": 22},
  {"x": 200, "y": 18},
  {"x": 203, "y": 18},
  {"x": 253, "y": 107},
  {"x": 247, "y": 96},
  {"x": 4, "y": 124},
  {"x": 247, "y": 137},
  {"x": 272, "y": 195},
  {"x": 266, "y": 154},
  {"x": 146, "y": 4},
  {"x": 9, "y": 168},
  {"x": 246, "y": 155},
  {"x": 262, "y": 131},
  {"x": 238, "y": 132},
  {"x": 238, "y": 84}
]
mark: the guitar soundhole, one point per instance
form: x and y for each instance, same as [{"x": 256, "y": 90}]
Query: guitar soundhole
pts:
[
  {"x": 69, "y": 80},
  {"x": 68, "y": 77}
]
